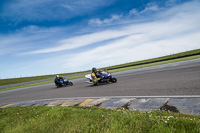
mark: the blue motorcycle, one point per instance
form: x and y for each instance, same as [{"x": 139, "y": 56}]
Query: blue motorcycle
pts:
[
  {"x": 63, "y": 81},
  {"x": 105, "y": 77}
]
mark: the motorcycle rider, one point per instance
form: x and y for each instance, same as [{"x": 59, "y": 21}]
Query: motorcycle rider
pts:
[
  {"x": 57, "y": 80},
  {"x": 95, "y": 75}
]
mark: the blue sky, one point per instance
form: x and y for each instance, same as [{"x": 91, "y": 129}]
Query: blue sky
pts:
[{"x": 43, "y": 37}]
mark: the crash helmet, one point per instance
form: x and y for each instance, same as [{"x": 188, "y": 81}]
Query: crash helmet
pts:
[
  {"x": 94, "y": 69},
  {"x": 57, "y": 76}
]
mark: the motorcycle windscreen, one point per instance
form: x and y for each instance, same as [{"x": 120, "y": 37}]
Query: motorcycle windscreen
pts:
[
  {"x": 66, "y": 79},
  {"x": 105, "y": 73}
]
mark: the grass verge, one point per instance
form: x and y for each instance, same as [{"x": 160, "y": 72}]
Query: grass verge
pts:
[
  {"x": 156, "y": 63},
  {"x": 29, "y": 79},
  {"x": 39, "y": 83},
  {"x": 160, "y": 59},
  {"x": 92, "y": 119}
]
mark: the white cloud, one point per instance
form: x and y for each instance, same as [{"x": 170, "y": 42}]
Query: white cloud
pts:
[
  {"x": 39, "y": 10},
  {"x": 132, "y": 48},
  {"x": 178, "y": 32},
  {"x": 148, "y": 9},
  {"x": 29, "y": 38},
  {"x": 83, "y": 40},
  {"x": 186, "y": 9},
  {"x": 180, "y": 19},
  {"x": 173, "y": 30},
  {"x": 106, "y": 21},
  {"x": 171, "y": 26},
  {"x": 133, "y": 12},
  {"x": 171, "y": 2},
  {"x": 119, "y": 19}
]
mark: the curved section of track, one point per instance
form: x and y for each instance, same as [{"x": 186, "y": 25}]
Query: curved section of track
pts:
[{"x": 173, "y": 79}]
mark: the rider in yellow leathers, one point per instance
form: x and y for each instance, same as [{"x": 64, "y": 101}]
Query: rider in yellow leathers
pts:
[{"x": 95, "y": 75}]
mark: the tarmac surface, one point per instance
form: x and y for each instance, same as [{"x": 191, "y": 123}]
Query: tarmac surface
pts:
[{"x": 174, "y": 87}]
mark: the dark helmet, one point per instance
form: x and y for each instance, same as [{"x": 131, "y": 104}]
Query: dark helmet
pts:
[{"x": 94, "y": 69}]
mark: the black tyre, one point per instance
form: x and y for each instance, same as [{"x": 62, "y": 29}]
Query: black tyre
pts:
[
  {"x": 58, "y": 86},
  {"x": 114, "y": 80},
  {"x": 97, "y": 84},
  {"x": 70, "y": 83}
]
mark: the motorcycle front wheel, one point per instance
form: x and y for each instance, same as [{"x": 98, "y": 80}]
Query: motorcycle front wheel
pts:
[
  {"x": 97, "y": 84},
  {"x": 70, "y": 83},
  {"x": 58, "y": 86},
  {"x": 113, "y": 80}
]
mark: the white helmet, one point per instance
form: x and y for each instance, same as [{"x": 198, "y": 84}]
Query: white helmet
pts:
[{"x": 57, "y": 76}]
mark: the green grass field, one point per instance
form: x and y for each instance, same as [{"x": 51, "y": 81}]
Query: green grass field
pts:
[
  {"x": 156, "y": 63},
  {"x": 74, "y": 119},
  {"x": 39, "y": 83},
  {"x": 158, "y": 59},
  {"x": 28, "y": 79}
]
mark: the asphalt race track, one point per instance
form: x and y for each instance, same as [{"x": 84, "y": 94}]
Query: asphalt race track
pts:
[{"x": 175, "y": 79}]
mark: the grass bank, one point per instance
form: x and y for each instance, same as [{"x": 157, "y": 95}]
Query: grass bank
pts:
[
  {"x": 91, "y": 119},
  {"x": 39, "y": 83},
  {"x": 155, "y": 63},
  {"x": 159, "y": 59},
  {"x": 29, "y": 79}
]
